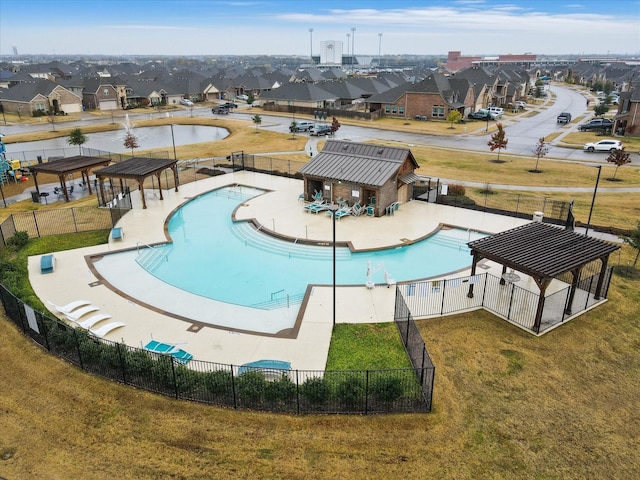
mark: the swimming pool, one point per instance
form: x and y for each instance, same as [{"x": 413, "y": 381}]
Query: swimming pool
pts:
[{"x": 232, "y": 262}]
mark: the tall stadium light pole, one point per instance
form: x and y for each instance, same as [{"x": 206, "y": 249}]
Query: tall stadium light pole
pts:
[
  {"x": 379, "y": 50},
  {"x": 353, "y": 46},
  {"x": 311, "y": 40},
  {"x": 348, "y": 43}
]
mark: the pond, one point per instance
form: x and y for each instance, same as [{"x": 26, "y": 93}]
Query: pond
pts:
[{"x": 147, "y": 138}]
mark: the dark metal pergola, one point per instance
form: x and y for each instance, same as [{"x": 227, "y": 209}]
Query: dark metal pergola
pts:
[
  {"x": 543, "y": 252},
  {"x": 66, "y": 166},
  {"x": 138, "y": 169}
]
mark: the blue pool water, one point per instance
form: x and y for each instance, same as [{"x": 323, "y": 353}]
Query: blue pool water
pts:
[{"x": 232, "y": 262}]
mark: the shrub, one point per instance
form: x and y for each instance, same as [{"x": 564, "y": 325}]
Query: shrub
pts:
[
  {"x": 251, "y": 386},
  {"x": 351, "y": 391},
  {"x": 387, "y": 388},
  {"x": 218, "y": 382},
  {"x": 316, "y": 390},
  {"x": 282, "y": 389},
  {"x": 18, "y": 240}
]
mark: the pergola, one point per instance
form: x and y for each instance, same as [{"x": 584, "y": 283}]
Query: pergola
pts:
[
  {"x": 66, "y": 166},
  {"x": 543, "y": 252},
  {"x": 137, "y": 169}
]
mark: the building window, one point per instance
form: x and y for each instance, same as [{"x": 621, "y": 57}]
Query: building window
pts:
[
  {"x": 105, "y": 91},
  {"x": 387, "y": 109},
  {"x": 401, "y": 109},
  {"x": 437, "y": 111},
  {"x": 394, "y": 109}
]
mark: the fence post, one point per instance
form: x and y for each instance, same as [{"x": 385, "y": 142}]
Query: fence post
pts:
[
  {"x": 406, "y": 341},
  {"x": 366, "y": 393},
  {"x": 122, "y": 363},
  {"x": 175, "y": 380},
  {"x": 510, "y": 302},
  {"x": 35, "y": 220},
  {"x": 297, "y": 394},
  {"x": 75, "y": 338},
  {"x": 233, "y": 388},
  {"x": 73, "y": 217},
  {"x": 444, "y": 287}
]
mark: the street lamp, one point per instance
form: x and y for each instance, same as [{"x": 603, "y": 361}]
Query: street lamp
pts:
[
  {"x": 348, "y": 43},
  {"x": 333, "y": 209},
  {"x": 599, "y": 167},
  {"x": 379, "y": 50},
  {"x": 311, "y": 40}
]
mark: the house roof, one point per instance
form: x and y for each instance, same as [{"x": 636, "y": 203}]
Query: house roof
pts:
[
  {"x": 360, "y": 163},
  {"x": 541, "y": 250}
]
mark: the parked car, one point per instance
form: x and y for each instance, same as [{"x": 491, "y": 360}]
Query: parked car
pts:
[
  {"x": 301, "y": 127},
  {"x": 186, "y": 102},
  {"x": 602, "y": 124},
  {"x": 318, "y": 130},
  {"x": 564, "y": 117},
  {"x": 520, "y": 105},
  {"x": 607, "y": 145},
  {"x": 230, "y": 105},
  {"x": 482, "y": 115},
  {"x": 220, "y": 110},
  {"x": 243, "y": 97},
  {"x": 497, "y": 111}
]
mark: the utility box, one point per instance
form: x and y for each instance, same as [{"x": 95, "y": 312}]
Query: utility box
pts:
[{"x": 538, "y": 216}]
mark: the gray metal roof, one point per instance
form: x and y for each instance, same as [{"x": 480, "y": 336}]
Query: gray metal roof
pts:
[{"x": 360, "y": 163}]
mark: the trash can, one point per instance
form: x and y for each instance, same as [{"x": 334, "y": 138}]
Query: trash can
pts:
[{"x": 35, "y": 197}]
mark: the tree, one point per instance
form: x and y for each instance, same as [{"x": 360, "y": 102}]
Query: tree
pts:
[
  {"x": 540, "y": 150},
  {"x": 76, "y": 137},
  {"x": 257, "y": 119},
  {"x": 600, "y": 109},
  {"x": 498, "y": 140},
  {"x": 634, "y": 241},
  {"x": 293, "y": 127},
  {"x": 130, "y": 141},
  {"x": 454, "y": 117},
  {"x": 335, "y": 125},
  {"x": 620, "y": 158}
]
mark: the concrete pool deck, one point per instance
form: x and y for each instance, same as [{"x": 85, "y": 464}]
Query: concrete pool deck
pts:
[{"x": 279, "y": 211}]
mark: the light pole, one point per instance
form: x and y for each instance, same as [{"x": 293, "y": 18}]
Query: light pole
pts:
[
  {"x": 333, "y": 209},
  {"x": 353, "y": 46},
  {"x": 348, "y": 43},
  {"x": 311, "y": 42},
  {"x": 379, "y": 50},
  {"x": 599, "y": 167}
]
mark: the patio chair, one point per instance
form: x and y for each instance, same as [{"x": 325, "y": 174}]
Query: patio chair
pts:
[
  {"x": 106, "y": 329},
  {"x": 69, "y": 307},
  {"x": 117, "y": 233},
  {"x": 77, "y": 314},
  {"x": 357, "y": 210},
  {"x": 90, "y": 322},
  {"x": 47, "y": 263}
]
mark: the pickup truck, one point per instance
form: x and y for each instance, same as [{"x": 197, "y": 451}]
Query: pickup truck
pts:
[
  {"x": 602, "y": 124},
  {"x": 301, "y": 126},
  {"x": 564, "y": 117}
]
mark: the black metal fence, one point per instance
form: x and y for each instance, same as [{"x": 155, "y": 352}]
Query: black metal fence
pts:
[
  {"x": 43, "y": 223},
  {"x": 507, "y": 300},
  {"x": 415, "y": 348},
  {"x": 291, "y": 391}
]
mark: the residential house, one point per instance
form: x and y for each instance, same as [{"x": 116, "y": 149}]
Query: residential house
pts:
[
  {"x": 484, "y": 83},
  {"x": 99, "y": 94},
  {"x": 39, "y": 97},
  {"x": 433, "y": 98},
  {"x": 627, "y": 120}
]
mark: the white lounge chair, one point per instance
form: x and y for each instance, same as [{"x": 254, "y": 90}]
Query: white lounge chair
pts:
[
  {"x": 105, "y": 329},
  {"x": 77, "y": 314},
  {"x": 69, "y": 307},
  {"x": 92, "y": 320}
]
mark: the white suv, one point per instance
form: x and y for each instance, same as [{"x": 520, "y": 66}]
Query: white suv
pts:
[{"x": 496, "y": 111}]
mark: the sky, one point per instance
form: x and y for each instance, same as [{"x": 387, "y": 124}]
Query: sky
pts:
[{"x": 282, "y": 27}]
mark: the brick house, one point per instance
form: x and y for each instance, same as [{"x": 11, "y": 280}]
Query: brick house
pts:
[{"x": 432, "y": 98}]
